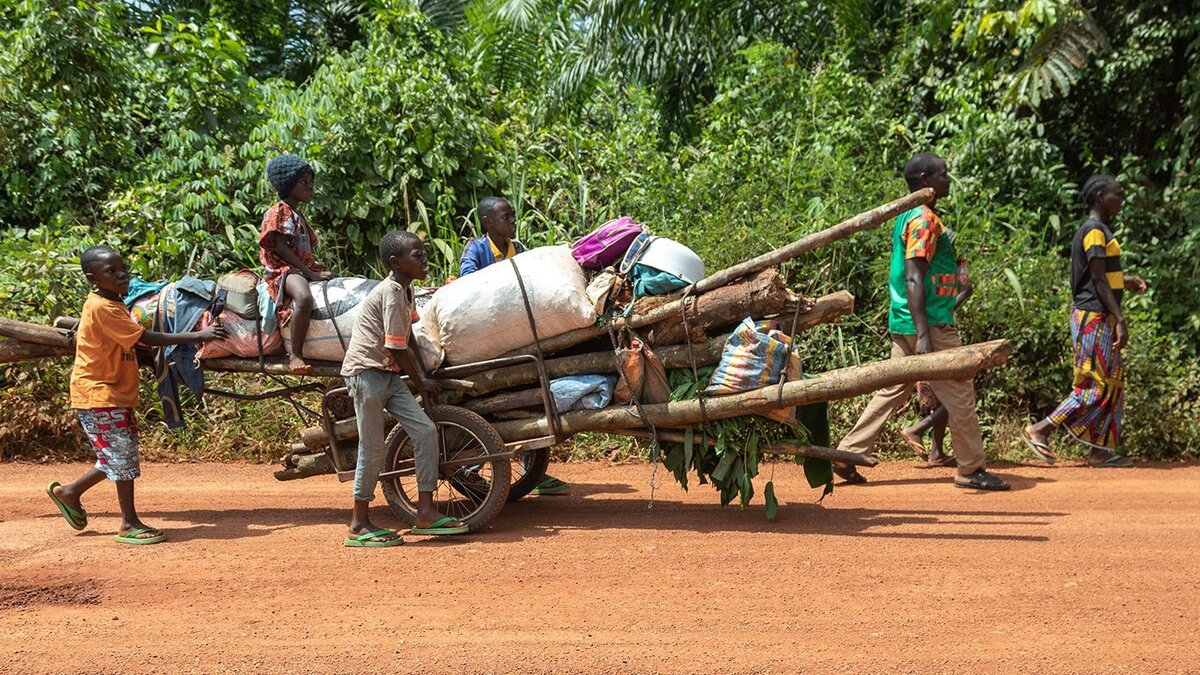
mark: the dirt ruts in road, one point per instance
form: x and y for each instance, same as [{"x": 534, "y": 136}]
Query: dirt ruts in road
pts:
[{"x": 1075, "y": 570}]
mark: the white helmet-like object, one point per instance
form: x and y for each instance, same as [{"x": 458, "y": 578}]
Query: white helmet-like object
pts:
[{"x": 673, "y": 257}]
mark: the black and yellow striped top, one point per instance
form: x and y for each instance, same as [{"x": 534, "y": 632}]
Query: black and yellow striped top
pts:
[{"x": 1094, "y": 240}]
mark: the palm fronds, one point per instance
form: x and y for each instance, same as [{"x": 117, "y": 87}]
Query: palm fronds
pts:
[{"x": 1057, "y": 58}]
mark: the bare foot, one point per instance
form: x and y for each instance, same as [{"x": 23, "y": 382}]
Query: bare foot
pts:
[
  {"x": 298, "y": 366},
  {"x": 914, "y": 442},
  {"x": 1036, "y": 435},
  {"x": 939, "y": 460}
]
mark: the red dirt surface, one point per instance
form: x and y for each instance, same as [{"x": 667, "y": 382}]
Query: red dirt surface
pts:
[{"x": 1076, "y": 570}]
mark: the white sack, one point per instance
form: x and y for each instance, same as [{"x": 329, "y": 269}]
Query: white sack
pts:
[
  {"x": 344, "y": 295},
  {"x": 481, "y": 316}
]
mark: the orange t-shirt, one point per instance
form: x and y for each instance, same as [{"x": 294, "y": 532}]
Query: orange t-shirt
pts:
[{"x": 105, "y": 373}]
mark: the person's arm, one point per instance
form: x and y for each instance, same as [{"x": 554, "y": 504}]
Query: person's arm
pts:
[
  {"x": 398, "y": 317},
  {"x": 415, "y": 371},
  {"x": 116, "y": 323},
  {"x": 914, "y": 278},
  {"x": 468, "y": 264},
  {"x": 1135, "y": 284},
  {"x": 214, "y": 331},
  {"x": 284, "y": 251},
  {"x": 1108, "y": 299},
  {"x": 965, "y": 290}
]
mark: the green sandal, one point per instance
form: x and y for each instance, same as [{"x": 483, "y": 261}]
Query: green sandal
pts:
[
  {"x": 373, "y": 540},
  {"x": 437, "y": 527},
  {"x": 552, "y": 486},
  {"x": 131, "y": 537},
  {"x": 76, "y": 519}
]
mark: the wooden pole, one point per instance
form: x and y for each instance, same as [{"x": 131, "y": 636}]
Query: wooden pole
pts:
[
  {"x": 863, "y": 221},
  {"x": 31, "y": 332},
  {"x": 733, "y": 302},
  {"x": 277, "y": 365},
  {"x": 662, "y": 312},
  {"x": 12, "y": 351},
  {"x": 953, "y": 364},
  {"x": 273, "y": 365}
]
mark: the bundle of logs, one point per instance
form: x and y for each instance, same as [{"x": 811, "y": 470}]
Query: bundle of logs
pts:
[{"x": 686, "y": 330}]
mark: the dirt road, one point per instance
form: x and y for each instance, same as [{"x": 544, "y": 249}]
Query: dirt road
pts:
[{"x": 1076, "y": 570}]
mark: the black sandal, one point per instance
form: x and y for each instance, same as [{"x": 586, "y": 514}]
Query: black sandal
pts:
[
  {"x": 980, "y": 480},
  {"x": 849, "y": 473}
]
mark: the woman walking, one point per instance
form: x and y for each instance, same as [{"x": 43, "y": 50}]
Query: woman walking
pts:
[{"x": 1092, "y": 413}]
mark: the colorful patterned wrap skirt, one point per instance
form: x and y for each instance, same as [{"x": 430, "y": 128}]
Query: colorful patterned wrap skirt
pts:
[{"x": 1093, "y": 411}]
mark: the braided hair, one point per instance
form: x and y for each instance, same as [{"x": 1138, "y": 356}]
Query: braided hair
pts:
[{"x": 1094, "y": 186}]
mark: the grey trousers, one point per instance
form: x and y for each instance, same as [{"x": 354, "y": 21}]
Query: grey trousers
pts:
[{"x": 376, "y": 391}]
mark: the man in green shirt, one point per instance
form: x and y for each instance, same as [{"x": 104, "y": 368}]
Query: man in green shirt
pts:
[{"x": 923, "y": 284}]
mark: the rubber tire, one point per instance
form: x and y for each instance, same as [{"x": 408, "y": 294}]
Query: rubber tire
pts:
[
  {"x": 498, "y": 488},
  {"x": 534, "y": 473}
]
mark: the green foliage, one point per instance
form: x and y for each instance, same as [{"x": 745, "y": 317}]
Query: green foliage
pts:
[
  {"x": 726, "y": 453},
  {"x": 1059, "y": 37}
]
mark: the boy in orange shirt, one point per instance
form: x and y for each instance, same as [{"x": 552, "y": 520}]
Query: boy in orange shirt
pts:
[{"x": 104, "y": 392}]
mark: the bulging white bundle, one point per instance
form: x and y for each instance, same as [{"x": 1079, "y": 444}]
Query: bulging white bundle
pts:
[
  {"x": 335, "y": 309},
  {"x": 482, "y": 315}
]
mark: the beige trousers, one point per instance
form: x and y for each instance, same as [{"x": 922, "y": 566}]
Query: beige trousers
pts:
[{"x": 958, "y": 397}]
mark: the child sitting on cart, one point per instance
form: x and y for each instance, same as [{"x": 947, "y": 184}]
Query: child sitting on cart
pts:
[
  {"x": 377, "y": 355},
  {"x": 499, "y": 224},
  {"x": 285, "y": 248},
  {"x": 104, "y": 392}
]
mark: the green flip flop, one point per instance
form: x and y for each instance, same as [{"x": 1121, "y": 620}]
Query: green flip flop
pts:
[
  {"x": 552, "y": 486},
  {"x": 131, "y": 537},
  {"x": 76, "y": 519},
  {"x": 437, "y": 527},
  {"x": 368, "y": 540}
]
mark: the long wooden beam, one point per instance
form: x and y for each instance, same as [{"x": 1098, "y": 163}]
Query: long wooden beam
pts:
[{"x": 952, "y": 364}]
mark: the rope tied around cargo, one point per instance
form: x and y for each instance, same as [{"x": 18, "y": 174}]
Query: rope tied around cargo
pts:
[
  {"x": 332, "y": 319},
  {"x": 655, "y": 450},
  {"x": 552, "y": 419},
  {"x": 783, "y": 375}
]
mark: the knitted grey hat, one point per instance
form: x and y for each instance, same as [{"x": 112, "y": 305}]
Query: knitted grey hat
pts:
[{"x": 285, "y": 171}]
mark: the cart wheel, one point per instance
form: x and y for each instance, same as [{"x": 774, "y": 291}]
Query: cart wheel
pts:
[
  {"x": 528, "y": 469},
  {"x": 473, "y": 493}
]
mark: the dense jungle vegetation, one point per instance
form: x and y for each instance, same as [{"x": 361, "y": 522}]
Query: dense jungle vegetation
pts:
[{"x": 734, "y": 126}]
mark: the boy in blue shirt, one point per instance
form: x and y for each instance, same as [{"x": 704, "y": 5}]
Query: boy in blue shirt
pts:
[{"x": 499, "y": 224}]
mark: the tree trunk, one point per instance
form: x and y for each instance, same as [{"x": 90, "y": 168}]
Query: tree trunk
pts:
[
  {"x": 826, "y": 309},
  {"x": 12, "y": 351},
  {"x": 764, "y": 294},
  {"x": 952, "y": 364},
  {"x": 509, "y": 400},
  {"x": 31, "y": 332},
  {"x": 863, "y": 221},
  {"x": 760, "y": 295}
]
